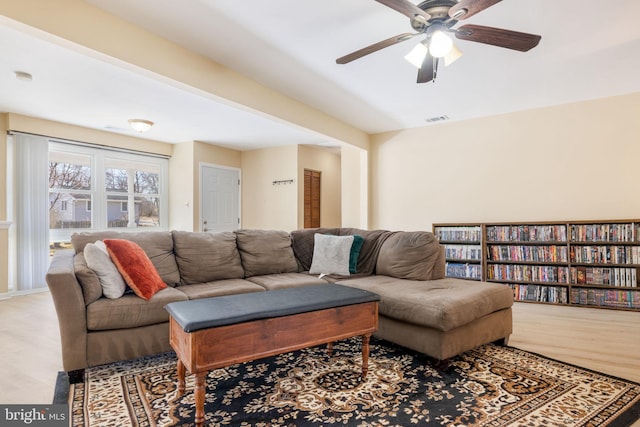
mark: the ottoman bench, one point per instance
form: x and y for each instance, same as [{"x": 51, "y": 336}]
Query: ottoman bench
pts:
[{"x": 212, "y": 333}]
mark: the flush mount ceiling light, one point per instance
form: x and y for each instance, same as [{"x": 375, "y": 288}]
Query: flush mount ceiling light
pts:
[{"x": 140, "y": 125}]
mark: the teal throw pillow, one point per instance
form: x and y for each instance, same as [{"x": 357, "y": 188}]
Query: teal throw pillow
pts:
[{"x": 355, "y": 252}]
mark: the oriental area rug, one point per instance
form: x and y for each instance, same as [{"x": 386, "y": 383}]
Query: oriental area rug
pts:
[{"x": 489, "y": 386}]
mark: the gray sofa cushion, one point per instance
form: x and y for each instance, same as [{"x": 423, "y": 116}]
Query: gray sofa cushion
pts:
[
  {"x": 408, "y": 255},
  {"x": 443, "y": 304},
  {"x": 158, "y": 245},
  {"x": 370, "y": 251},
  {"x": 266, "y": 252},
  {"x": 205, "y": 257},
  {"x": 286, "y": 280},
  {"x": 131, "y": 311},
  {"x": 219, "y": 288},
  {"x": 88, "y": 279}
]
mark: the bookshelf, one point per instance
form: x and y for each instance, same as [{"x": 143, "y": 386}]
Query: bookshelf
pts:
[
  {"x": 463, "y": 249},
  {"x": 532, "y": 259},
  {"x": 578, "y": 263},
  {"x": 604, "y": 259}
]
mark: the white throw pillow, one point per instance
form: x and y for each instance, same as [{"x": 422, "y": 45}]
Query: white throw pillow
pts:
[
  {"x": 113, "y": 285},
  {"x": 331, "y": 254},
  {"x": 100, "y": 245}
]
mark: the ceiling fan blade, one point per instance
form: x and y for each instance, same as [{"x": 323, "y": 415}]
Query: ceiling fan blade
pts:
[
  {"x": 426, "y": 71},
  {"x": 406, "y": 8},
  {"x": 498, "y": 37},
  {"x": 467, "y": 8},
  {"x": 375, "y": 47}
]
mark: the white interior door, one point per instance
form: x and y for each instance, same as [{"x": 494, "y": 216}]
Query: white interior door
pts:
[{"x": 219, "y": 198}]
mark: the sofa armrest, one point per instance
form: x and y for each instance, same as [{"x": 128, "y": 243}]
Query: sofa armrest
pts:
[{"x": 70, "y": 309}]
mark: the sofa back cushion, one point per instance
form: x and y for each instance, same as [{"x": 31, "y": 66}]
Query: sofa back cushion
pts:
[
  {"x": 88, "y": 279},
  {"x": 440, "y": 265},
  {"x": 265, "y": 252},
  {"x": 302, "y": 242},
  {"x": 370, "y": 250},
  {"x": 409, "y": 255},
  {"x": 158, "y": 245},
  {"x": 205, "y": 257}
]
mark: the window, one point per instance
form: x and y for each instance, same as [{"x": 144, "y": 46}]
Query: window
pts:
[{"x": 99, "y": 189}]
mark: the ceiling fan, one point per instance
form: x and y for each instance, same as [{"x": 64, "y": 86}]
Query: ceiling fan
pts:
[{"x": 435, "y": 19}]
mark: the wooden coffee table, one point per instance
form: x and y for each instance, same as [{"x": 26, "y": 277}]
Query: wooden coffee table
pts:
[{"x": 212, "y": 333}]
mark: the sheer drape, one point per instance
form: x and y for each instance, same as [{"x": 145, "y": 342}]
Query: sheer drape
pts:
[{"x": 31, "y": 210}]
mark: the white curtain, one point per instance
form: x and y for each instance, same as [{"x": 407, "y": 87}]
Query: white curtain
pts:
[{"x": 31, "y": 194}]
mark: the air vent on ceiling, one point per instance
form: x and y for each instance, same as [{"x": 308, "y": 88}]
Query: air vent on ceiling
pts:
[{"x": 437, "y": 119}]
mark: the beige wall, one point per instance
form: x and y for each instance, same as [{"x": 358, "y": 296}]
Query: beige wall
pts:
[
  {"x": 355, "y": 187},
  {"x": 570, "y": 162},
  {"x": 328, "y": 164},
  {"x": 181, "y": 187},
  {"x": 265, "y": 205}
]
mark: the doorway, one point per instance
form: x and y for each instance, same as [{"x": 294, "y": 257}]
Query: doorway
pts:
[
  {"x": 219, "y": 198},
  {"x": 312, "y": 181}
]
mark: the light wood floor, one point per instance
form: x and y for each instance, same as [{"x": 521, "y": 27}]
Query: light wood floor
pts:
[{"x": 603, "y": 340}]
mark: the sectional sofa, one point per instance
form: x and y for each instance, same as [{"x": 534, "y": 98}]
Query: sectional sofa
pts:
[{"x": 419, "y": 308}]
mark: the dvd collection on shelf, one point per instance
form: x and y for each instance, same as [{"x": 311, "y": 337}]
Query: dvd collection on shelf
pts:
[
  {"x": 540, "y": 293},
  {"x": 470, "y": 234},
  {"x": 528, "y": 273},
  {"x": 605, "y": 298},
  {"x": 464, "y": 271},
  {"x": 551, "y": 253},
  {"x": 470, "y": 252},
  {"x": 627, "y": 232},
  {"x": 582, "y": 263},
  {"x": 605, "y": 254},
  {"x": 619, "y": 277},
  {"x": 527, "y": 233}
]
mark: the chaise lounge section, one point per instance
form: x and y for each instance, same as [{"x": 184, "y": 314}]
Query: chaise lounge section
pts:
[{"x": 419, "y": 308}]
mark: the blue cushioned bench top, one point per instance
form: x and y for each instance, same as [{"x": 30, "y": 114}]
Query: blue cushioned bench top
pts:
[{"x": 205, "y": 313}]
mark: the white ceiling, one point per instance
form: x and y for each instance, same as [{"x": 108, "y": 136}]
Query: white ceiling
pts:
[{"x": 588, "y": 50}]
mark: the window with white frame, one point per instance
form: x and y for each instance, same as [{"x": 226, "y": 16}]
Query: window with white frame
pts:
[{"x": 98, "y": 189}]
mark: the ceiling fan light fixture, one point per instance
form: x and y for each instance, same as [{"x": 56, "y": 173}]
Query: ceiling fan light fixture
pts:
[
  {"x": 453, "y": 55},
  {"x": 140, "y": 125},
  {"x": 417, "y": 54},
  {"x": 440, "y": 44}
]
